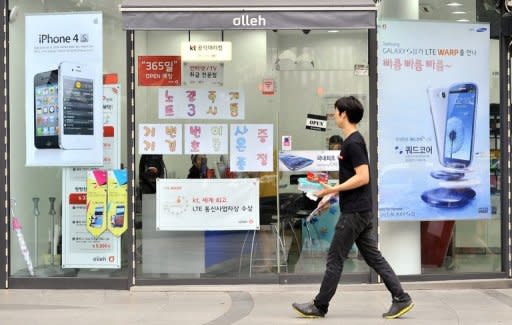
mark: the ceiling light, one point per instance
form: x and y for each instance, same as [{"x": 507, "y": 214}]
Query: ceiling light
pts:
[
  {"x": 458, "y": 12},
  {"x": 454, "y": 4},
  {"x": 463, "y": 20},
  {"x": 333, "y": 31}
]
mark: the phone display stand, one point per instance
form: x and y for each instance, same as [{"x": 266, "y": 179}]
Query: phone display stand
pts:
[
  {"x": 455, "y": 182},
  {"x": 48, "y": 268}
]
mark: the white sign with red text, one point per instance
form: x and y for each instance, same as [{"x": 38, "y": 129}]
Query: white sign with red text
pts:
[
  {"x": 251, "y": 148},
  {"x": 207, "y": 204}
]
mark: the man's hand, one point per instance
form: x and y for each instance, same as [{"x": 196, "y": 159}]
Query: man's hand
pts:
[
  {"x": 153, "y": 170},
  {"x": 327, "y": 190}
]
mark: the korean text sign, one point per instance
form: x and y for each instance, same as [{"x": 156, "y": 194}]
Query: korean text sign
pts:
[
  {"x": 433, "y": 137},
  {"x": 163, "y": 139},
  {"x": 206, "y": 138},
  {"x": 251, "y": 147},
  {"x": 159, "y": 71},
  {"x": 201, "y": 103},
  {"x": 212, "y": 204}
]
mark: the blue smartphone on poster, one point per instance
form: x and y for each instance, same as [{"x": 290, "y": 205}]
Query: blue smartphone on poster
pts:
[{"x": 460, "y": 125}]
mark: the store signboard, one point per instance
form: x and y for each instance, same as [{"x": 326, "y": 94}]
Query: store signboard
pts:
[
  {"x": 79, "y": 248},
  {"x": 203, "y": 74},
  {"x": 165, "y": 139},
  {"x": 251, "y": 147},
  {"x": 206, "y": 139},
  {"x": 207, "y": 204},
  {"x": 159, "y": 70},
  {"x": 206, "y": 51},
  {"x": 63, "y": 89},
  {"x": 201, "y": 103},
  {"x": 433, "y": 137}
]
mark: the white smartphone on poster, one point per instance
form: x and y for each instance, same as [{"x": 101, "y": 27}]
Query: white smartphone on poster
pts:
[{"x": 76, "y": 100}]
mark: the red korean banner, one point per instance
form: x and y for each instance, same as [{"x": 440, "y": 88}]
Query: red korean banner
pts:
[{"x": 159, "y": 70}]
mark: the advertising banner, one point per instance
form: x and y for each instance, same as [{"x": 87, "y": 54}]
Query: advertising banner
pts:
[
  {"x": 96, "y": 209},
  {"x": 165, "y": 139},
  {"x": 206, "y": 138},
  {"x": 203, "y": 74},
  {"x": 117, "y": 214},
  {"x": 63, "y": 89},
  {"x": 80, "y": 248},
  {"x": 197, "y": 103},
  {"x": 309, "y": 161},
  {"x": 251, "y": 148},
  {"x": 207, "y": 204},
  {"x": 433, "y": 137},
  {"x": 159, "y": 70}
]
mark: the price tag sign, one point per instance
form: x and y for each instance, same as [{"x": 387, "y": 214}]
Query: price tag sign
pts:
[{"x": 159, "y": 70}]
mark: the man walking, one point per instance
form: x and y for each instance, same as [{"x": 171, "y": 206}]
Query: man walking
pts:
[{"x": 356, "y": 220}]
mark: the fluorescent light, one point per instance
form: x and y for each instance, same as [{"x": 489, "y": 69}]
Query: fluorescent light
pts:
[
  {"x": 463, "y": 20},
  {"x": 454, "y": 4},
  {"x": 458, "y": 12},
  {"x": 333, "y": 31}
]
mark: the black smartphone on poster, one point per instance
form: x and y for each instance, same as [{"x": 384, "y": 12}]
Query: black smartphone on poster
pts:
[{"x": 46, "y": 110}]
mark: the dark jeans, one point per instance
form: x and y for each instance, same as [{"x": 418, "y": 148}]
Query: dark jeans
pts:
[{"x": 354, "y": 227}]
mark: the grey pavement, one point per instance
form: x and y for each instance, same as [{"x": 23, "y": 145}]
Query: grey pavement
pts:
[{"x": 435, "y": 303}]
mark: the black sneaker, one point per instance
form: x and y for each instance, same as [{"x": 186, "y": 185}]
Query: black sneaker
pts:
[
  {"x": 399, "y": 307},
  {"x": 308, "y": 310}
]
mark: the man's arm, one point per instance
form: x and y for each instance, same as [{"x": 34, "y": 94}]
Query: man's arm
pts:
[{"x": 361, "y": 177}]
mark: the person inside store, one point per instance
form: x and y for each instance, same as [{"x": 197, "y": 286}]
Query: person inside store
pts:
[
  {"x": 151, "y": 167},
  {"x": 335, "y": 142},
  {"x": 356, "y": 222},
  {"x": 199, "y": 167}
]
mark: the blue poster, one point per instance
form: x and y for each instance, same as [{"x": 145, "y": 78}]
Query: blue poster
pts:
[{"x": 433, "y": 137}]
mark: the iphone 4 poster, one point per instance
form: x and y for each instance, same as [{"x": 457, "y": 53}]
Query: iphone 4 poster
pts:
[{"x": 63, "y": 89}]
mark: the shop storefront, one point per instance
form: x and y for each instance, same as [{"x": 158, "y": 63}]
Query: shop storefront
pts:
[{"x": 216, "y": 113}]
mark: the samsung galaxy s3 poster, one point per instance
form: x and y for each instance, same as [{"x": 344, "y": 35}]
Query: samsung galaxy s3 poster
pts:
[
  {"x": 63, "y": 89},
  {"x": 433, "y": 137}
]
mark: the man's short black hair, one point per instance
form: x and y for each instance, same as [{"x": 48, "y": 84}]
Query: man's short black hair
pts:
[{"x": 352, "y": 107}]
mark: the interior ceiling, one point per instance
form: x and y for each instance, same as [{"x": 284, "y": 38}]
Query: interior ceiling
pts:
[{"x": 438, "y": 10}]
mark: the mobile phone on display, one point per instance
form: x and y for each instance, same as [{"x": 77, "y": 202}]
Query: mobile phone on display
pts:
[
  {"x": 46, "y": 110},
  {"x": 460, "y": 125},
  {"x": 76, "y": 100},
  {"x": 97, "y": 218},
  {"x": 438, "y": 100},
  {"x": 118, "y": 218}
]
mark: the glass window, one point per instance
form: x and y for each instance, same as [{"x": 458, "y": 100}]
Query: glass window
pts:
[
  {"x": 39, "y": 205},
  {"x": 284, "y": 76}
]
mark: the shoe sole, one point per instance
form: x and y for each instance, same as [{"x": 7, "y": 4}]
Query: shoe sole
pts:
[
  {"x": 401, "y": 312},
  {"x": 304, "y": 315}
]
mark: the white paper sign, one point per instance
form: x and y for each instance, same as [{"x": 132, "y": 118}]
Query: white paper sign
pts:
[
  {"x": 206, "y": 139},
  {"x": 201, "y": 103},
  {"x": 203, "y": 74},
  {"x": 251, "y": 147},
  {"x": 207, "y": 204},
  {"x": 205, "y": 51},
  {"x": 162, "y": 139},
  {"x": 313, "y": 161}
]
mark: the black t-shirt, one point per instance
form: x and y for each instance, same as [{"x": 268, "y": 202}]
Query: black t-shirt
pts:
[{"x": 353, "y": 154}]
